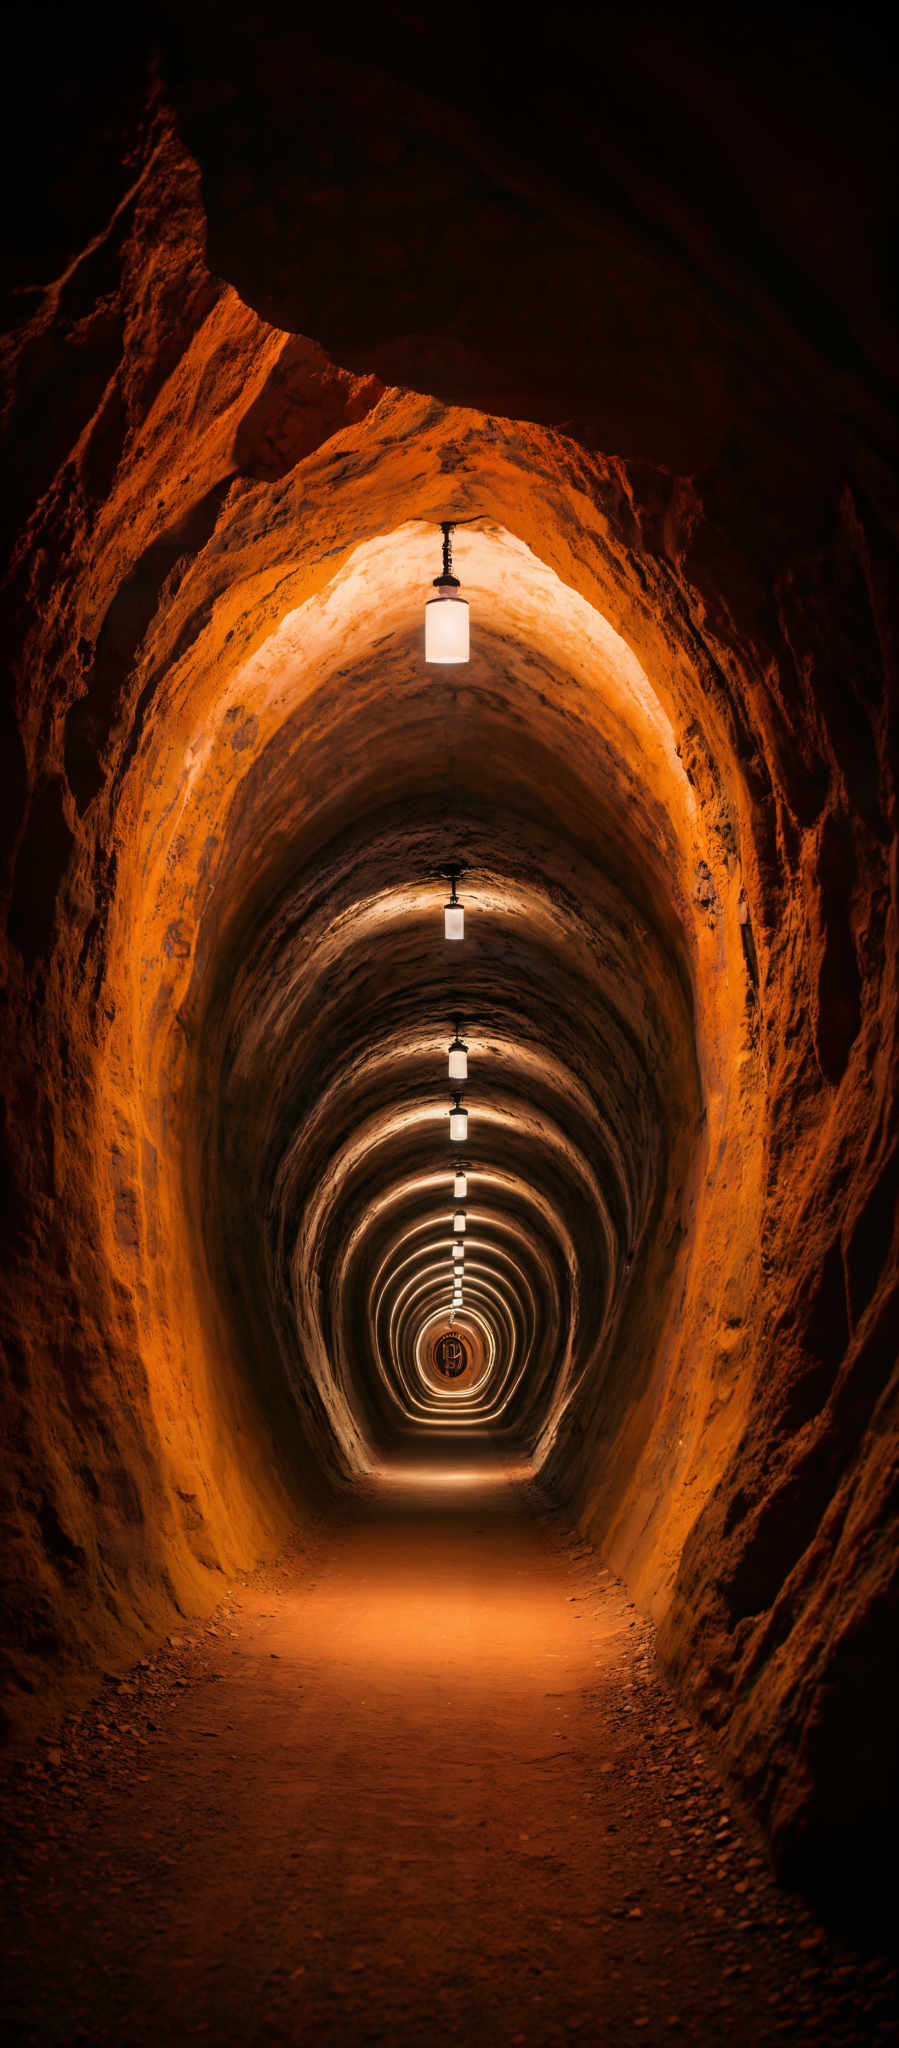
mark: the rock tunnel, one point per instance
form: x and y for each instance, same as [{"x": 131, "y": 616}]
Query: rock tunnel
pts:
[{"x": 285, "y": 311}]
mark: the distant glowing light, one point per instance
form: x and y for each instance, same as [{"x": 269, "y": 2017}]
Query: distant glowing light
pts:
[
  {"x": 459, "y": 1222},
  {"x": 453, "y": 911},
  {"x": 458, "y": 1121},
  {"x": 458, "y": 1251},
  {"x": 458, "y": 1060},
  {"x": 460, "y": 1187}
]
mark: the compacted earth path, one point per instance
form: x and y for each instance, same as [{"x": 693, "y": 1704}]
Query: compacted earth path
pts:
[{"x": 419, "y": 1782}]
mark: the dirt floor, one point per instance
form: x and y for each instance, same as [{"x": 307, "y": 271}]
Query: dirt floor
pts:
[{"x": 419, "y": 1782}]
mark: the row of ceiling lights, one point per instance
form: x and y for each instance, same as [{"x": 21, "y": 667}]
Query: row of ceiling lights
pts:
[
  {"x": 454, "y": 928},
  {"x": 458, "y": 1071},
  {"x": 447, "y": 640}
]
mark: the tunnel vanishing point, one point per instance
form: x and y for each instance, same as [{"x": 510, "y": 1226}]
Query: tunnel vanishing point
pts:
[{"x": 614, "y": 303}]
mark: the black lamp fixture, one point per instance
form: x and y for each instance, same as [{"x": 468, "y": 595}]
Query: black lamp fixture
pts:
[
  {"x": 446, "y": 615},
  {"x": 458, "y": 1054},
  {"x": 453, "y": 911},
  {"x": 458, "y": 1120}
]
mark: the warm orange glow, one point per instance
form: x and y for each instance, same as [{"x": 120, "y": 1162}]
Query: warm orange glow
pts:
[{"x": 287, "y": 864}]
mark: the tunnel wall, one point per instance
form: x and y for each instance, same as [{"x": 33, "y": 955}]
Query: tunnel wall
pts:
[{"x": 743, "y": 1477}]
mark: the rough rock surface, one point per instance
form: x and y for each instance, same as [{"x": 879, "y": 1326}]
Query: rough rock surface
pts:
[
  {"x": 224, "y": 750},
  {"x": 430, "y": 1718}
]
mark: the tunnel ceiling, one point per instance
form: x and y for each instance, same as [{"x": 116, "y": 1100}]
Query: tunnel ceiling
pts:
[
  {"x": 323, "y": 998},
  {"x": 301, "y": 305}
]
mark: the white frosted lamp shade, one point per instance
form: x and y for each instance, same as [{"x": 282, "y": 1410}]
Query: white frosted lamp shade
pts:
[
  {"x": 458, "y": 1251},
  {"x": 458, "y": 1125},
  {"x": 459, "y": 1222},
  {"x": 458, "y": 1061},
  {"x": 460, "y": 1187},
  {"x": 446, "y": 628},
  {"x": 453, "y": 921}
]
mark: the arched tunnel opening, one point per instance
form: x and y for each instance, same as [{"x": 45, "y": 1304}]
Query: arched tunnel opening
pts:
[
  {"x": 319, "y": 1012},
  {"x": 506, "y": 1516}
]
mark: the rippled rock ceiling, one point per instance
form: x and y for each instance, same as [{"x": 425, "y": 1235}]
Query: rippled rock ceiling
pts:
[{"x": 281, "y": 313}]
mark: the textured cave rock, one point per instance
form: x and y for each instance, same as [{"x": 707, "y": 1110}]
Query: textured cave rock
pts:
[{"x": 658, "y": 404}]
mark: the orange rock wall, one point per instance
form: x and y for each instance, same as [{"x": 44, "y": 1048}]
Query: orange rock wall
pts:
[{"x": 190, "y": 478}]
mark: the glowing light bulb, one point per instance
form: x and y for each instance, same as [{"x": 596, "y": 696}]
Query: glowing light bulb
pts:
[
  {"x": 446, "y": 615},
  {"x": 458, "y": 1251},
  {"x": 458, "y": 1122},
  {"x": 453, "y": 911},
  {"x": 459, "y": 1222},
  {"x": 446, "y": 628},
  {"x": 460, "y": 1187},
  {"x": 458, "y": 1060}
]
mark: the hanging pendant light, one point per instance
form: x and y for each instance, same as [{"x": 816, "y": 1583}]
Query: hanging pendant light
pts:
[
  {"x": 453, "y": 911},
  {"x": 459, "y": 1222},
  {"x": 458, "y": 1056},
  {"x": 458, "y": 1120},
  {"x": 460, "y": 1186},
  {"x": 458, "y": 1252},
  {"x": 446, "y": 615}
]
